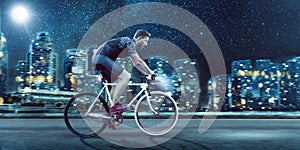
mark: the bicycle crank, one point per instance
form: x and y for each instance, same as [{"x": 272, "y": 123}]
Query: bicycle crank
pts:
[{"x": 116, "y": 119}]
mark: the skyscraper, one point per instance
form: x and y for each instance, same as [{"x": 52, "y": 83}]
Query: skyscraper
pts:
[
  {"x": 52, "y": 73},
  {"x": 240, "y": 83},
  {"x": 268, "y": 83},
  {"x": 78, "y": 71},
  {"x": 67, "y": 69},
  {"x": 21, "y": 73},
  {"x": 290, "y": 82},
  {"x": 218, "y": 92},
  {"x": 255, "y": 88},
  {"x": 39, "y": 62},
  {"x": 188, "y": 83},
  {"x": 3, "y": 67}
]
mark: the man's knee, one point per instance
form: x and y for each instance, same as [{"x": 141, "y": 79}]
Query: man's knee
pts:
[{"x": 124, "y": 76}]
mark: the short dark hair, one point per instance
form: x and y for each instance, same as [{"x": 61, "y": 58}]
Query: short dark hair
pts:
[{"x": 142, "y": 33}]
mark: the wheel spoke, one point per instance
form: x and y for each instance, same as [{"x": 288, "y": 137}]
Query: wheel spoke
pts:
[
  {"x": 161, "y": 121},
  {"x": 79, "y": 121}
]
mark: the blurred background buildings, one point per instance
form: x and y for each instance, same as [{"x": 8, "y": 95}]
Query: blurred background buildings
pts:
[{"x": 262, "y": 85}]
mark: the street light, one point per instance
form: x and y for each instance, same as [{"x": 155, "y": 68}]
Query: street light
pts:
[{"x": 20, "y": 14}]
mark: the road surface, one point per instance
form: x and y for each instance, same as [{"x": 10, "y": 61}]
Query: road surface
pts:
[{"x": 233, "y": 134}]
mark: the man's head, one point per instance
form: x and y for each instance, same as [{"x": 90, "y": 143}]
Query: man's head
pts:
[{"x": 141, "y": 38}]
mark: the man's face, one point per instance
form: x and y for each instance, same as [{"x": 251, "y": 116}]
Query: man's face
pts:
[{"x": 142, "y": 42}]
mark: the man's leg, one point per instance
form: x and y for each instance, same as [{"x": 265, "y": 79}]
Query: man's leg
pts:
[{"x": 121, "y": 81}]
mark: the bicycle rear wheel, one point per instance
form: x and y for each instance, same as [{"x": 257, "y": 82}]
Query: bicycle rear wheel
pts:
[
  {"x": 79, "y": 122},
  {"x": 162, "y": 120}
]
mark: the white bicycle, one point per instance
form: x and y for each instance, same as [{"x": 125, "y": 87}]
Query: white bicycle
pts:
[{"x": 87, "y": 114}]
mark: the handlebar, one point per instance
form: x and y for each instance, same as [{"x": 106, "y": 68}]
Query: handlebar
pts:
[{"x": 146, "y": 78}]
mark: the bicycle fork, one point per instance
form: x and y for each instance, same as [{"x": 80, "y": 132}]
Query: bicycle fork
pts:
[{"x": 149, "y": 103}]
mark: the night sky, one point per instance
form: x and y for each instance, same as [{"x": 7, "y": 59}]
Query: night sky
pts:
[{"x": 244, "y": 29}]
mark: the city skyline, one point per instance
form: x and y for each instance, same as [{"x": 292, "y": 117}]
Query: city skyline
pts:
[
  {"x": 250, "y": 78},
  {"x": 250, "y": 86},
  {"x": 244, "y": 30},
  {"x": 259, "y": 85}
]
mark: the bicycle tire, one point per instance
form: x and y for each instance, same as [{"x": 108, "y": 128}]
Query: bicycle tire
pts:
[
  {"x": 156, "y": 124},
  {"x": 77, "y": 122}
]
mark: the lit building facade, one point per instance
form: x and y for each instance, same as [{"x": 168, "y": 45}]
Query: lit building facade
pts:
[
  {"x": 3, "y": 67},
  {"x": 255, "y": 88},
  {"x": 40, "y": 75},
  {"x": 52, "y": 74},
  {"x": 79, "y": 74},
  {"x": 290, "y": 83},
  {"x": 189, "y": 87},
  {"x": 241, "y": 83},
  {"x": 267, "y": 84},
  {"x": 218, "y": 93},
  {"x": 21, "y": 74},
  {"x": 67, "y": 69},
  {"x": 171, "y": 83}
]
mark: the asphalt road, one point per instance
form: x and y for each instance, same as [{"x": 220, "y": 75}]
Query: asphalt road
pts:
[{"x": 233, "y": 134}]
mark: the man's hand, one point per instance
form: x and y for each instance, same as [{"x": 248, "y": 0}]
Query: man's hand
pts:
[{"x": 153, "y": 77}]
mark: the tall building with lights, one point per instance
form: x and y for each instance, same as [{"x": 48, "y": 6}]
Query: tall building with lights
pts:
[
  {"x": 254, "y": 88},
  {"x": 218, "y": 93},
  {"x": 188, "y": 83},
  {"x": 78, "y": 71},
  {"x": 52, "y": 74},
  {"x": 3, "y": 67},
  {"x": 67, "y": 69},
  {"x": 41, "y": 62},
  {"x": 268, "y": 83},
  {"x": 290, "y": 83},
  {"x": 241, "y": 81},
  {"x": 21, "y": 74}
]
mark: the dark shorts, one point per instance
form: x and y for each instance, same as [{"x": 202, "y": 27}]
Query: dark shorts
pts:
[{"x": 108, "y": 68}]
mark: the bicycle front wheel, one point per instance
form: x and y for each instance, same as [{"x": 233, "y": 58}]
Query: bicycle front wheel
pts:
[
  {"x": 156, "y": 115},
  {"x": 84, "y": 124}
]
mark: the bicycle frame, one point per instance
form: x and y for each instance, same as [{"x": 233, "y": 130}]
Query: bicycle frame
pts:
[
  {"x": 105, "y": 88},
  {"x": 142, "y": 116}
]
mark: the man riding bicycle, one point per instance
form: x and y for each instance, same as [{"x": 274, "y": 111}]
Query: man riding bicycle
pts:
[{"x": 104, "y": 60}]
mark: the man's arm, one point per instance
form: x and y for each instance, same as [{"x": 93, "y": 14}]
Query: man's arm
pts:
[{"x": 140, "y": 64}]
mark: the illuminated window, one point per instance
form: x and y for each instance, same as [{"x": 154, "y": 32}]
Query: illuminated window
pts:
[
  {"x": 241, "y": 73},
  {"x": 279, "y": 74},
  {"x": 260, "y": 85},
  {"x": 256, "y": 73},
  {"x": 266, "y": 76},
  {"x": 272, "y": 100},
  {"x": 243, "y": 101}
]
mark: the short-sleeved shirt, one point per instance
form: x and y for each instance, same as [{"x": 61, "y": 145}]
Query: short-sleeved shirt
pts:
[
  {"x": 107, "y": 53},
  {"x": 118, "y": 47}
]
